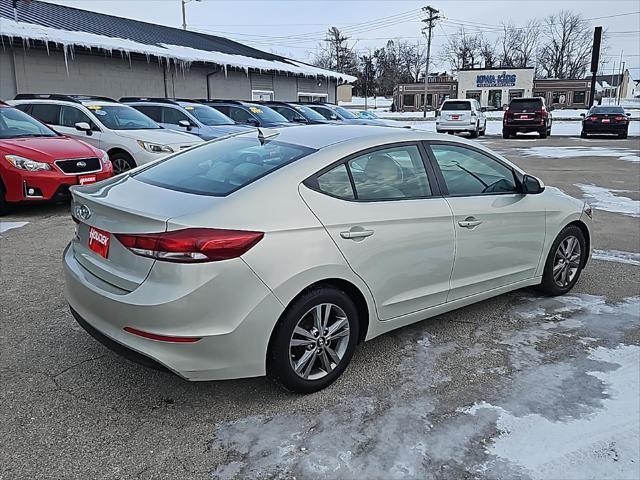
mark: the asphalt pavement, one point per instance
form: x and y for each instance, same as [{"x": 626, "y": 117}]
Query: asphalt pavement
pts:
[{"x": 519, "y": 386}]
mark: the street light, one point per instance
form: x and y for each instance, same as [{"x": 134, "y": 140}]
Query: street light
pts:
[{"x": 184, "y": 13}]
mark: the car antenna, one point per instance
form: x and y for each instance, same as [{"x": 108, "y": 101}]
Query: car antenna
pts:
[{"x": 266, "y": 133}]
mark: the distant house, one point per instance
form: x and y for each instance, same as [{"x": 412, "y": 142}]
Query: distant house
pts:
[
  {"x": 57, "y": 49},
  {"x": 615, "y": 86}
]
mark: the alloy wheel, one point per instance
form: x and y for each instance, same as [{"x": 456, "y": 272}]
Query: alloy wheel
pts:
[
  {"x": 319, "y": 341},
  {"x": 120, "y": 165},
  {"x": 566, "y": 261}
]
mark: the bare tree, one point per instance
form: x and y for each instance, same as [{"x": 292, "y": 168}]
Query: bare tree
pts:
[
  {"x": 518, "y": 45},
  {"x": 488, "y": 52},
  {"x": 413, "y": 59},
  {"x": 565, "y": 48},
  {"x": 464, "y": 51},
  {"x": 336, "y": 54}
]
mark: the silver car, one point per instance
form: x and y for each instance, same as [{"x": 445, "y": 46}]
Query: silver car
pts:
[{"x": 277, "y": 252}]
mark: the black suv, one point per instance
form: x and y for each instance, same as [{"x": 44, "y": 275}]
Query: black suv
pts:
[
  {"x": 526, "y": 115},
  {"x": 249, "y": 113},
  {"x": 297, "y": 113}
]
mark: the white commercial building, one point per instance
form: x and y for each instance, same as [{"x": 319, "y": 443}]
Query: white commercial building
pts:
[{"x": 495, "y": 87}]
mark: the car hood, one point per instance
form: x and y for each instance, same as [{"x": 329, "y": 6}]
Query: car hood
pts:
[
  {"x": 47, "y": 149},
  {"x": 222, "y": 130},
  {"x": 162, "y": 136}
]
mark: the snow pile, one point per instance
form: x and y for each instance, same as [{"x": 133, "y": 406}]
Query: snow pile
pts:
[
  {"x": 625, "y": 154},
  {"x": 5, "y": 226},
  {"x": 607, "y": 200},
  {"x": 181, "y": 56}
]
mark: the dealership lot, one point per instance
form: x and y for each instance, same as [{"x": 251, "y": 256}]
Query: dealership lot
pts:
[{"x": 463, "y": 394}]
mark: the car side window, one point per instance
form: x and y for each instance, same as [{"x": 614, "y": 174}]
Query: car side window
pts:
[
  {"x": 325, "y": 112},
  {"x": 239, "y": 115},
  {"x": 46, "y": 113},
  {"x": 24, "y": 107},
  {"x": 151, "y": 111},
  {"x": 393, "y": 173},
  {"x": 69, "y": 116},
  {"x": 470, "y": 172},
  {"x": 172, "y": 116}
]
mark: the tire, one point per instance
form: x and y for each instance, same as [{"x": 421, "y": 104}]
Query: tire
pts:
[
  {"x": 474, "y": 133},
  {"x": 4, "y": 206},
  {"x": 506, "y": 133},
  {"x": 121, "y": 162},
  {"x": 313, "y": 375},
  {"x": 483, "y": 131},
  {"x": 559, "y": 285},
  {"x": 543, "y": 133},
  {"x": 583, "y": 134},
  {"x": 624, "y": 135}
]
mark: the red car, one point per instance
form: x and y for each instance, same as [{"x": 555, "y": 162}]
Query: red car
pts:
[{"x": 38, "y": 164}]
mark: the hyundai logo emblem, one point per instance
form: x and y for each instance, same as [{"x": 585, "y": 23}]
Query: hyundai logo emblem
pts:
[
  {"x": 82, "y": 212},
  {"x": 81, "y": 164}
]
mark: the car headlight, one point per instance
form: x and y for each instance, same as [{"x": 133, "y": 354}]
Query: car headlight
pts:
[
  {"x": 27, "y": 164},
  {"x": 155, "y": 147},
  {"x": 104, "y": 158},
  {"x": 588, "y": 210}
]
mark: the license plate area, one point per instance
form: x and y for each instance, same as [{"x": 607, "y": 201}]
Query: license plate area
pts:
[
  {"x": 86, "y": 179},
  {"x": 606, "y": 120},
  {"x": 99, "y": 241}
]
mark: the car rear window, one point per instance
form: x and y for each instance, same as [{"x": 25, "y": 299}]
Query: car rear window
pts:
[
  {"x": 456, "y": 106},
  {"x": 222, "y": 167},
  {"x": 606, "y": 110},
  {"x": 525, "y": 104}
]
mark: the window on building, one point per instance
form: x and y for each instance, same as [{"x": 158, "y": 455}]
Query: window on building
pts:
[
  {"x": 515, "y": 93},
  {"x": 495, "y": 98},
  {"x": 47, "y": 113},
  {"x": 559, "y": 97},
  {"x": 69, "y": 116},
  {"x": 429, "y": 99},
  {"x": 408, "y": 100},
  {"x": 312, "y": 98},
  {"x": 261, "y": 95},
  {"x": 469, "y": 172},
  {"x": 474, "y": 94},
  {"x": 539, "y": 94},
  {"x": 580, "y": 97}
]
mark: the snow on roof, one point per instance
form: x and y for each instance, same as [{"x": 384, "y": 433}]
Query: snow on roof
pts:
[{"x": 179, "y": 54}]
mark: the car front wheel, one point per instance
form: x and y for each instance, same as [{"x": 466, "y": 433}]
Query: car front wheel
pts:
[
  {"x": 564, "y": 262},
  {"x": 121, "y": 162},
  {"x": 4, "y": 206},
  {"x": 314, "y": 341}
]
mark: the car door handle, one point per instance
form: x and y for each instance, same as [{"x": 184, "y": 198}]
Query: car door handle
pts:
[
  {"x": 469, "y": 222},
  {"x": 355, "y": 234}
]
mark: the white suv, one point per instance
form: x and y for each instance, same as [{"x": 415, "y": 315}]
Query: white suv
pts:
[
  {"x": 461, "y": 115},
  {"x": 128, "y": 136}
]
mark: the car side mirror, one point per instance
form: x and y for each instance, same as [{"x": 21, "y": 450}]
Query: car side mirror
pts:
[
  {"x": 334, "y": 116},
  {"x": 582, "y": 115},
  {"x": 531, "y": 185},
  {"x": 185, "y": 123},
  {"x": 299, "y": 120},
  {"x": 84, "y": 127},
  {"x": 628, "y": 114},
  {"x": 253, "y": 121}
]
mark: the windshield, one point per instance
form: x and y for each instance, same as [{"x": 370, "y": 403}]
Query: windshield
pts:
[
  {"x": 605, "y": 110},
  {"x": 17, "y": 124},
  {"x": 122, "y": 117},
  {"x": 221, "y": 167},
  {"x": 529, "y": 104},
  {"x": 456, "y": 106},
  {"x": 344, "y": 113},
  {"x": 308, "y": 113},
  {"x": 366, "y": 114},
  {"x": 267, "y": 114},
  {"x": 209, "y": 116}
]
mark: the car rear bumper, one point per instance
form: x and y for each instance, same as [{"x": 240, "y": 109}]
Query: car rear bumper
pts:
[
  {"x": 524, "y": 126},
  {"x": 25, "y": 186},
  {"x": 605, "y": 128},
  {"x": 456, "y": 127},
  {"x": 231, "y": 312}
]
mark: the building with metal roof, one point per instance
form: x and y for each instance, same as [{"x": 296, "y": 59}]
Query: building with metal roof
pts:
[{"x": 49, "y": 48}]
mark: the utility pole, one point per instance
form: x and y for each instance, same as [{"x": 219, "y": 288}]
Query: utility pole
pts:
[
  {"x": 184, "y": 12},
  {"x": 595, "y": 59},
  {"x": 430, "y": 21}
]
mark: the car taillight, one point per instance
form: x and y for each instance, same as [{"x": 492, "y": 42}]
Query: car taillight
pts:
[
  {"x": 541, "y": 112},
  {"x": 620, "y": 118},
  {"x": 593, "y": 118},
  {"x": 191, "y": 245}
]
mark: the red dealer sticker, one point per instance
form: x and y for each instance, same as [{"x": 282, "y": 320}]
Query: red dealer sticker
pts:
[
  {"x": 87, "y": 180},
  {"x": 99, "y": 241}
]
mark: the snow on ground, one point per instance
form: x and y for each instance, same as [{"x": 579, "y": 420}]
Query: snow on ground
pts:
[
  {"x": 5, "y": 226},
  {"x": 626, "y": 154},
  {"x": 618, "y": 256},
  {"x": 181, "y": 55},
  {"x": 606, "y": 199}
]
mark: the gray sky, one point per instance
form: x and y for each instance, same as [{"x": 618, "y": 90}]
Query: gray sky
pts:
[{"x": 295, "y": 27}]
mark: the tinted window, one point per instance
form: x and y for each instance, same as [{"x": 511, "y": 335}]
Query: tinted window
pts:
[
  {"x": 122, "y": 117},
  {"x": 25, "y": 107},
  {"x": 528, "y": 104},
  {"x": 69, "y": 116},
  {"x": 266, "y": 114},
  {"x": 239, "y": 115},
  {"x": 221, "y": 167},
  {"x": 606, "y": 110},
  {"x": 456, "y": 106},
  {"x": 469, "y": 172},
  {"x": 172, "y": 116},
  {"x": 336, "y": 182},
  {"x": 344, "y": 113},
  {"x": 208, "y": 115},
  {"x": 47, "y": 113},
  {"x": 287, "y": 113},
  {"x": 325, "y": 112},
  {"x": 308, "y": 112},
  {"x": 390, "y": 173},
  {"x": 17, "y": 124},
  {"x": 150, "y": 111}
]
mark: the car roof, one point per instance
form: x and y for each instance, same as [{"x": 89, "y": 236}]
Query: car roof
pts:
[{"x": 83, "y": 102}]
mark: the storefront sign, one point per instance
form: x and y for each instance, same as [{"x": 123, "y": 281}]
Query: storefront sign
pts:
[{"x": 503, "y": 80}]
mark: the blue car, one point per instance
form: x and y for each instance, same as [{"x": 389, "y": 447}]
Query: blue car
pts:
[{"x": 187, "y": 116}]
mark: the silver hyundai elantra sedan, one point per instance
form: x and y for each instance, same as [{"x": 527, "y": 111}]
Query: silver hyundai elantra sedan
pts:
[{"x": 276, "y": 252}]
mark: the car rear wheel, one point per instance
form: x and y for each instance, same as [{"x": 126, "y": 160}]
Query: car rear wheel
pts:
[
  {"x": 506, "y": 133},
  {"x": 314, "y": 341},
  {"x": 121, "y": 163},
  {"x": 564, "y": 262},
  {"x": 543, "y": 133},
  {"x": 623, "y": 135},
  {"x": 583, "y": 134},
  {"x": 474, "y": 133}
]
